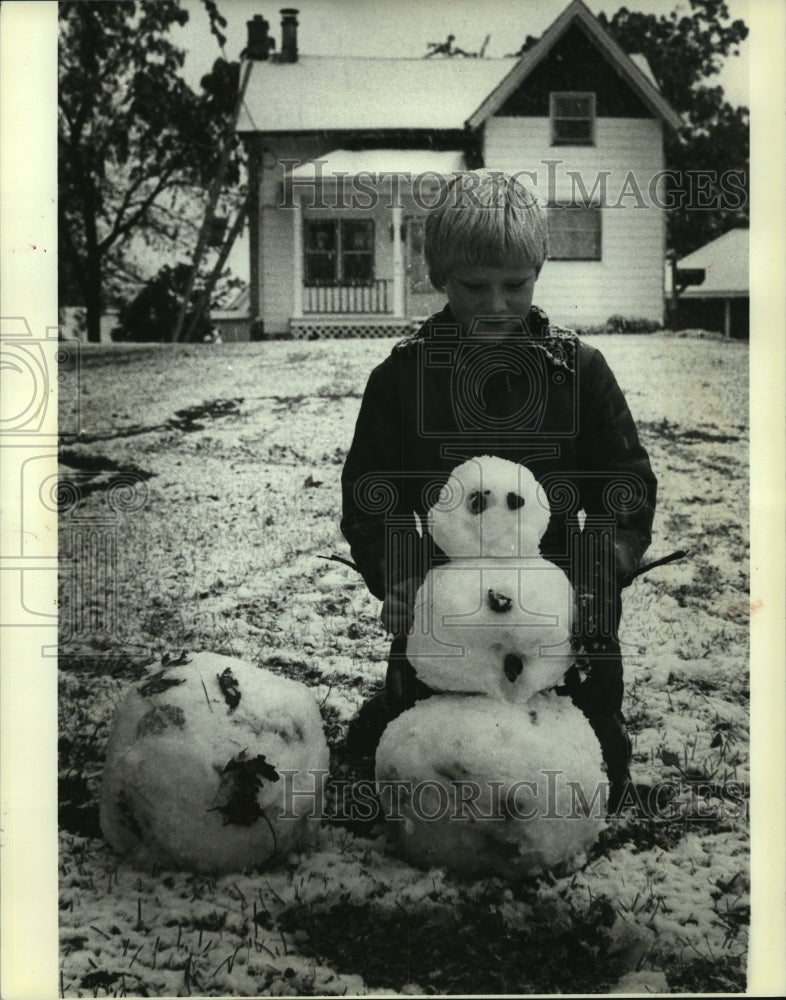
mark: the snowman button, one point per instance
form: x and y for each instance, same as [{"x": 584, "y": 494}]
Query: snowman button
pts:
[
  {"x": 515, "y": 501},
  {"x": 499, "y": 602}
]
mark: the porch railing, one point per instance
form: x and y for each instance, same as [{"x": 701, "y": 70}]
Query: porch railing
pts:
[{"x": 369, "y": 299}]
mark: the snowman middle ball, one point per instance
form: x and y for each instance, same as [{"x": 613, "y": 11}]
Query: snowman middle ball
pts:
[
  {"x": 484, "y": 788},
  {"x": 500, "y": 627}
]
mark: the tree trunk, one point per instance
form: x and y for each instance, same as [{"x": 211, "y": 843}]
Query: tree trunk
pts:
[
  {"x": 93, "y": 298},
  {"x": 204, "y": 297}
]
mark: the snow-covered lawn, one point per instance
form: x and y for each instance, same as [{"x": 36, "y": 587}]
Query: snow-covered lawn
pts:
[{"x": 236, "y": 452}]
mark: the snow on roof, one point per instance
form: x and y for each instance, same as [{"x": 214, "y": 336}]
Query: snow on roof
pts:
[
  {"x": 725, "y": 261},
  {"x": 323, "y": 92},
  {"x": 239, "y": 306},
  {"x": 379, "y": 161},
  {"x": 640, "y": 60}
]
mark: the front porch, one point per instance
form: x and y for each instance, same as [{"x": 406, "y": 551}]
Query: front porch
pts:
[
  {"x": 330, "y": 278},
  {"x": 358, "y": 243},
  {"x": 371, "y": 298},
  {"x": 347, "y": 326}
]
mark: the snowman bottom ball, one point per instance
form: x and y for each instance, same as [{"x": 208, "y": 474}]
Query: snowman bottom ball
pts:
[
  {"x": 193, "y": 774},
  {"x": 487, "y": 788}
]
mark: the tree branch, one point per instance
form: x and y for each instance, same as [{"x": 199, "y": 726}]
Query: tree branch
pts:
[{"x": 124, "y": 228}]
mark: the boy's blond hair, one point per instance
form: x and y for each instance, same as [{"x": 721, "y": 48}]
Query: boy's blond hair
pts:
[{"x": 488, "y": 218}]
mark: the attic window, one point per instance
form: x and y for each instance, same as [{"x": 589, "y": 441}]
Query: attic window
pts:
[{"x": 572, "y": 118}]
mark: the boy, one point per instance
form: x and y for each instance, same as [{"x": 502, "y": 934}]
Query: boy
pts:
[{"x": 490, "y": 375}]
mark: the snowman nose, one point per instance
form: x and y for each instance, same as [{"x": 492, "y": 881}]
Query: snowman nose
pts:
[
  {"x": 478, "y": 501},
  {"x": 515, "y": 501},
  {"x": 512, "y": 666}
]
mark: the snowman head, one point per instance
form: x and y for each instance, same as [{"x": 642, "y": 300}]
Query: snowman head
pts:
[{"x": 489, "y": 507}]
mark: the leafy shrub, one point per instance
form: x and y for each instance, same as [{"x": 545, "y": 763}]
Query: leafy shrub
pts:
[
  {"x": 589, "y": 330},
  {"x": 631, "y": 324},
  {"x": 152, "y": 314}
]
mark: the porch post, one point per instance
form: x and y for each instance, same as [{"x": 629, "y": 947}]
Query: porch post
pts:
[
  {"x": 254, "y": 233},
  {"x": 297, "y": 264},
  {"x": 727, "y": 318},
  {"x": 398, "y": 261}
]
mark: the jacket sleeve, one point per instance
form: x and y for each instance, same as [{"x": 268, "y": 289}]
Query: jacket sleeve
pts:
[
  {"x": 370, "y": 485},
  {"x": 618, "y": 478}
]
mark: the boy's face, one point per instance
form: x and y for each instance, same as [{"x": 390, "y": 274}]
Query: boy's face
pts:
[{"x": 498, "y": 298}]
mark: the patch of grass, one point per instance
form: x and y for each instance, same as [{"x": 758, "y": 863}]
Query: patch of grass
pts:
[
  {"x": 77, "y": 809},
  {"x": 721, "y": 975},
  {"x": 472, "y": 951},
  {"x": 81, "y": 748}
]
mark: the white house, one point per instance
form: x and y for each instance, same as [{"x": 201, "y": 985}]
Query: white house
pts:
[{"x": 346, "y": 156}]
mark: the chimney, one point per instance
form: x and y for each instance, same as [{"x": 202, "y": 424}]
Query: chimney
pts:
[
  {"x": 259, "y": 43},
  {"x": 289, "y": 34}
]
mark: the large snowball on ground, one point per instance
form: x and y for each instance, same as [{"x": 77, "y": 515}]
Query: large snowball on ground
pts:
[
  {"x": 485, "y": 788},
  {"x": 489, "y": 507},
  {"x": 193, "y": 775},
  {"x": 501, "y": 627}
]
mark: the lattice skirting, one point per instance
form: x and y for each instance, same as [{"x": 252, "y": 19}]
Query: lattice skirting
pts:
[{"x": 315, "y": 329}]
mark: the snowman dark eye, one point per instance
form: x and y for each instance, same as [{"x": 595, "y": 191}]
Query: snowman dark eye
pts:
[
  {"x": 512, "y": 666},
  {"x": 515, "y": 501},
  {"x": 478, "y": 501}
]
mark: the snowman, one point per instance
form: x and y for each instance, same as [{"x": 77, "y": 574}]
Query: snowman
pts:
[
  {"x": 496, "y": 773},
  {"x": 496, "y": 619},
  {"x": 209, "y": 767}
]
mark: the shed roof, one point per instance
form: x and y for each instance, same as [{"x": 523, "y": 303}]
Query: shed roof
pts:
[
  {"x": 319, "y": 93},
  {"x": 725, "y": 263}
]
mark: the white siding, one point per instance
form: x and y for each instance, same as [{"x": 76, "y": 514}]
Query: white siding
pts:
[
  {"x": 275, "y": 265},
  {"x": 276, "y": 231},
  {"x": 628, "y": 280}
]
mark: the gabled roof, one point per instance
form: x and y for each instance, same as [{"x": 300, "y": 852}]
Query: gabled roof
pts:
[
  {"x": 629, "y": 68},
  {"x": 326, "y": 93},
  {"x": 725, "y": 263},
  {"x": 319, "y": 93}
]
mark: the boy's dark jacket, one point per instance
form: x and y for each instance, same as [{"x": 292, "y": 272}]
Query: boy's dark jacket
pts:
[{"x": 545, "y": 399}]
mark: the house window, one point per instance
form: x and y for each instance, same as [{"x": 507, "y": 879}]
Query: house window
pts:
[
  {"x": 572, "y": 119},
  {"x": 339, "y": 251},
  {"x": 574, "y": 232}
]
